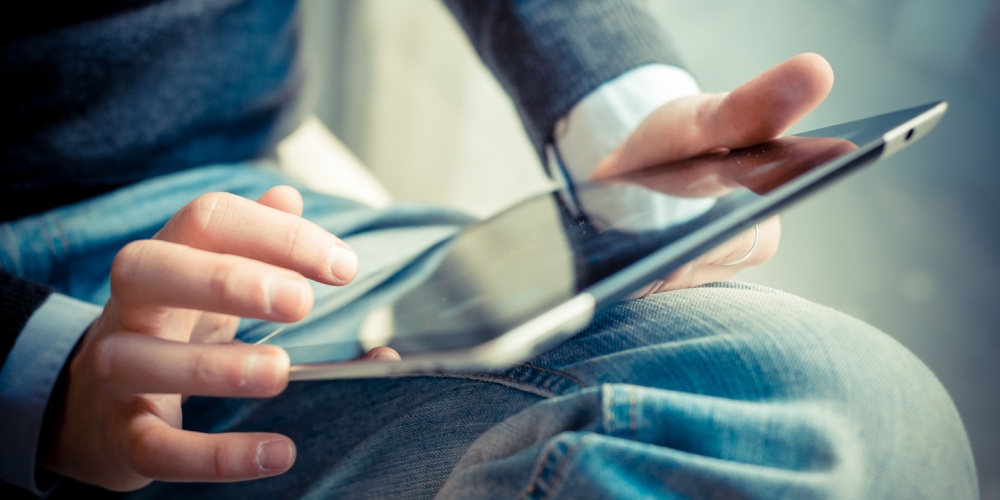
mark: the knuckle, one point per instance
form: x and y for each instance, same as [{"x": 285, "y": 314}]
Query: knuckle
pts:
[
  {"x": 127, "y": 263},
  {"x": 305, "y": 247},
  {"x": 141, "y": 454},
  {"x": 747, "y": 129},
  {"x": 198, "y": 217},
  {"x": 214, "y": 328},
  {"x": 224, "y": 462},
  {"x": 102, "y": 361},
  {"x": 202, "y": 369},
  {"x": 295, "y": 237},
  {"x": 739, "y": 249},
  {"x": 212, "y": 371},
  {"x": 230, "y": 285},
  {"x": 260, "y": 297},
  {"x": 222, "y": 274}
]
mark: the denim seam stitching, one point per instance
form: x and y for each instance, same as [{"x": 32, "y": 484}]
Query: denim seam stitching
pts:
[
  {"x": 544, "y": 390},
  {"x": 536, "y": 472},
  {"x": 557, "y": 373},
  {"x": 496, "y": 378},
  {"x": 543, "y": 460},
  {"x": 632, "y": 408},
  {"x": 610, "y": 423},
  {"x": 556, "y": 478}
]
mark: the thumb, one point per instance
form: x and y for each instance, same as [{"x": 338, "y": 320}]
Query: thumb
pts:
[
  {"x": 284, "y": 198},
  {"x": 756, "y": 111}
]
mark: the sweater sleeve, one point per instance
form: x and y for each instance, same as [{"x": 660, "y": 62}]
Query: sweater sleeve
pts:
[
  {"x": 549, "y": 54},
  {"x": 18, "y": 300},
  {"x": 39, "y": 332}
]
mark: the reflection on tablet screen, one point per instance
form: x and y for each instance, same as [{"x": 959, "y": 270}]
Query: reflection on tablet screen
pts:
[{"x": 501, "y": 272}]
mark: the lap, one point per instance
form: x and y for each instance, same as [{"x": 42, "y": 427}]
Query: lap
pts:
[{"x": 722, "y": 390}]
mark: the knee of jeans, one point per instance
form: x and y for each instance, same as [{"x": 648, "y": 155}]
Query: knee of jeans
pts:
[
  {"x": 912, "y": 440},
  {"x": 887, "y": 416},
  {"x": 903, "y": 433}
]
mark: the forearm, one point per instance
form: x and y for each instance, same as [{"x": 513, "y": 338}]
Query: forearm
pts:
[{"x": 549, "y": 54}]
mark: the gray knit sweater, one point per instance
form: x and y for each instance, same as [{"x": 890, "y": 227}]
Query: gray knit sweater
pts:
[{"x": 102, "y": 93}]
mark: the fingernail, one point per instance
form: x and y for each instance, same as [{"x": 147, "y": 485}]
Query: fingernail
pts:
[
  {"x": 274, "y": 456},
  {"x": 286, "y": 296},
  {"x": 265, "y": 371},
  {"x": 385, "y": 356},
  {"x": 343, "y": 264}
]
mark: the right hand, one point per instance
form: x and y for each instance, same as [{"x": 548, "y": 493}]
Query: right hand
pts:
[
  {"x": 166, "y": 330},
  {"x": 757, "y": 111}
]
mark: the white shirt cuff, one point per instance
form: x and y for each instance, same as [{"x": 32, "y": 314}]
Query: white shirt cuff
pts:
[
  {"x": 28, "y": 378},
  {"x": 601, "y": 121},
  {"x": 606, "y": 116}
]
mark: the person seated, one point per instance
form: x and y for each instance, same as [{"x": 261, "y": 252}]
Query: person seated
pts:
[{"x": 138, "y": 175}]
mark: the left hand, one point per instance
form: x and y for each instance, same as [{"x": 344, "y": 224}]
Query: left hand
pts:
[{"x": 756, "y": 111}]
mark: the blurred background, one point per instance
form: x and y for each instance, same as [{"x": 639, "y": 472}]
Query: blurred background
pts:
[{"x": 911, "y": 245}]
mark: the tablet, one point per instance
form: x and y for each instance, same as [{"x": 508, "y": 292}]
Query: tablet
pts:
[{"x": 511, "y": 286}]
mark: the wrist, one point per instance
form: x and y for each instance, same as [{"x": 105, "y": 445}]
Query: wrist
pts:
[{"x": 597, "y": 124}]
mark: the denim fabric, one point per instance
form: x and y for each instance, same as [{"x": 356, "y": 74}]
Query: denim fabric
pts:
[{"x": 722, "y": 391}]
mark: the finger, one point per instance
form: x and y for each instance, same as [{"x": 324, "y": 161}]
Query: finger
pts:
[
  {"x": 131, "y": 363},
  {"x": 284, "y": 198},
  {"x": 382, "y": 354},
  {"x": 769, "y": 104},
  {"x": 214, "y": 328},
  {"x": 757, "y": 245},
  {"x": 710, "y": 267},
  {"x": 226, "y": 223},
  {"x": 759, "y": 110},
  {"x": 164, "y": 453},
  {"x": 163, "y": 274}
]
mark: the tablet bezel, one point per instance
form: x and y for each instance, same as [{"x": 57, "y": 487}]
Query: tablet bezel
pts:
[{"x": 574, "y": 314}]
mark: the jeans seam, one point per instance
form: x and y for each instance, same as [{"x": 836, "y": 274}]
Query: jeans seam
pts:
[
  {"x": 536, "y": 474},
  {"x": 565, "y": 459},
  {"x": 632, "y": 408},
  {"x": 544, "y": 390},
  {"x": 557, "y": 373},
  {"x": 497, "y": 378}
]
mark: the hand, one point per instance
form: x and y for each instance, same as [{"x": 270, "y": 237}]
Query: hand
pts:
[
  {"x": 166, "y": 331},
  {"x": 756, "y": 111}
]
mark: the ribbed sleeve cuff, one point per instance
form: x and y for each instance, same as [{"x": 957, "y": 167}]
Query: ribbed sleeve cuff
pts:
[
  {"x": 28, "y": 379},
  {"x": 18, "y": 300}
]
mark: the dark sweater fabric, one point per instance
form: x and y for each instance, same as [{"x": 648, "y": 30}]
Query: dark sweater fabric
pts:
[
  {"x": 100, "y": 94},
  {"x": 549, "y": 54},
  {"x": 104, "y": 93}
]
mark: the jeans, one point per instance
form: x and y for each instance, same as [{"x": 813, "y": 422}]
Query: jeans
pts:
[{"x": 722, "y": 391}]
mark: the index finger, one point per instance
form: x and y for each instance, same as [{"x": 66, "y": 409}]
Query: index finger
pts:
[{"x": 226, "y": 223}]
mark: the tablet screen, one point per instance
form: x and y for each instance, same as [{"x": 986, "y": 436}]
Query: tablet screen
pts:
[{"x": 605, "y": 238}]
